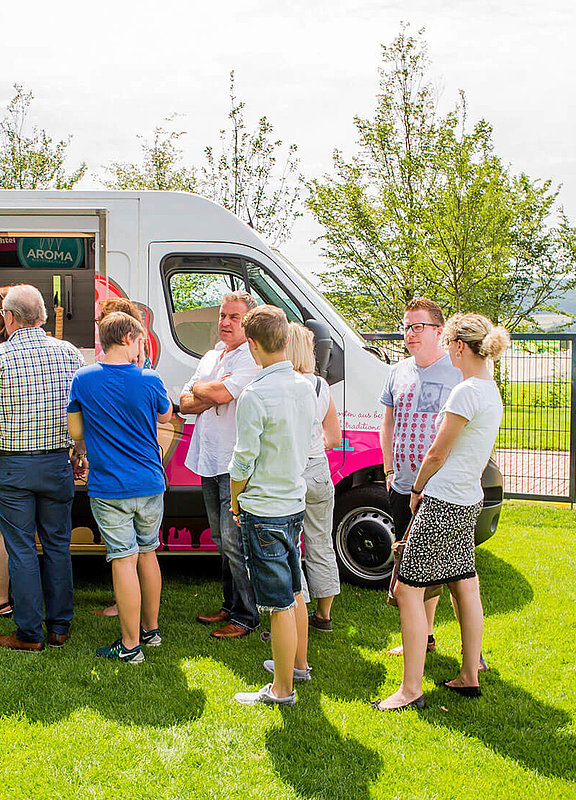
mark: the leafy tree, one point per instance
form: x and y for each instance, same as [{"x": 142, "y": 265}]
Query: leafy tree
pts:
[
  {"x": 160, "y": 168},
  {"x": 426, "y": 207},
  {"x": 249, "y": 177},
  {"x": 31, "y": 160}
]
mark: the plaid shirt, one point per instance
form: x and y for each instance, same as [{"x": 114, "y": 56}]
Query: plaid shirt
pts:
[{"x": 35, "y": 376}]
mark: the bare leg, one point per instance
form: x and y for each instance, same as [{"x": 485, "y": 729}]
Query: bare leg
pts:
[
  {"x": 4, "y": 577},
  {"x": 323, "y": 606},
  {"x": 151, "y": 587},
  {"x": 471, "y": 619},
  {"x": 301, "y": 661},
  {"x": 430, "y": 607},
  {"x": 127, "y": 594},
  {"x": 284, "y": 645},
  {"x": 414, "y": 626}
]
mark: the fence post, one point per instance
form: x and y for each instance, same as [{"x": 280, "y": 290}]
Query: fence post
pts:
[{"x": 573, "y": 422}]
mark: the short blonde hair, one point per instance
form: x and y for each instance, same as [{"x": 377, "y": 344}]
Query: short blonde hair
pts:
[
  {"x": 268, "y": 326},
  {"x": 300, "y": 348},
  {"x": 485, "y": 339}
]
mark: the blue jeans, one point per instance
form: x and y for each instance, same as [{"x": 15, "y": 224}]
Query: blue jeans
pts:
[
  {"x": 272, "y": 548},
  {"x": 36, "y": 494},
  {"x": 238, "y": 592}
]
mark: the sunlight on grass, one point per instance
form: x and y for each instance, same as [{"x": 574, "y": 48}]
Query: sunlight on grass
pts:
[{"x": 76, "y": 727}]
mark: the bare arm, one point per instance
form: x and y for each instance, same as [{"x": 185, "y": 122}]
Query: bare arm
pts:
[
  {"x": 450, "y": 429},
  {"x": 76, "y": 426},
  {"x": 331, "y": 432},
  {"x": 167, "y": 416},
  {"x": 386, "y": 439},
  {"x": 190, "y": 404},
  {"x": 236, "y": 488},
  {"x": 213, "y": 392}
]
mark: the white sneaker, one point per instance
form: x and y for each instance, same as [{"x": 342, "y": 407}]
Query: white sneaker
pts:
[
  {"x": 299, "y": 675},
  {"x": 265, "y": 696}
]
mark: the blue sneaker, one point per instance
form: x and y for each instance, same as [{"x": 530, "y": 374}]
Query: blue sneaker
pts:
[
  {"x": 118, "y": 651},
  {"x": 150, "y": 638}
]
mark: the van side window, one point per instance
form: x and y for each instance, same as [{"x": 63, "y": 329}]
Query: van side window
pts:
[
  {"x": 267, "y": 290},
  {"x": 195, "y": 285}
]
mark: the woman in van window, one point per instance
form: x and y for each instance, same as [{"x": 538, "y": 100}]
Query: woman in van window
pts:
[
  {"x": 5, "y": 604},
  {"x": 321, "y": 566},
  {"x": 446, "y": 500},
  {"x": 130, "y": 308}
]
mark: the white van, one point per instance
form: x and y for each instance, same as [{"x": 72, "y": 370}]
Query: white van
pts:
[{"x": 175, "y": 255}]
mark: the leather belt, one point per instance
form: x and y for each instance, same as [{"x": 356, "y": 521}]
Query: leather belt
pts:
[{"x": 33, "y": 452}]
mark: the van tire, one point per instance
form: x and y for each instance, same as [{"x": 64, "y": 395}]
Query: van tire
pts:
[{"x": 363, "y": 533}]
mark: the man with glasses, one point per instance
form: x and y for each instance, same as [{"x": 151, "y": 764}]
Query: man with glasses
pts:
[
  {"x": 415, "y": 391},
  {"x": 36, "y": 476}
]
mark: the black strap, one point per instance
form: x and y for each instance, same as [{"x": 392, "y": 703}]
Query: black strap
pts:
[{"x": 318, "y": 385}]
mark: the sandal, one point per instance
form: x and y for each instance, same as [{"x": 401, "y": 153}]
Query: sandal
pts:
[{"x": 6, "y": 609}]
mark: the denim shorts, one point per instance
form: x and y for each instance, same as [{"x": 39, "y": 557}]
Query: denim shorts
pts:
[
  {"x": 128, "y": 525},
  {"x": 272, "y": 551}
]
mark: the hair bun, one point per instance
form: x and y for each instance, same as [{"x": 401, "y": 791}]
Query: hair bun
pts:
[{"x": 495, "y": 343}]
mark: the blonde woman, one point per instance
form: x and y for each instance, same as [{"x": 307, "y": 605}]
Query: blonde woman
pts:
[
  {"x": 447, "y": 499},
  {"x": 321, "y": 566}
]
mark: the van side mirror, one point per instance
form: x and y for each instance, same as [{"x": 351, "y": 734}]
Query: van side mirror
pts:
[{"x": 322, "y": 344}]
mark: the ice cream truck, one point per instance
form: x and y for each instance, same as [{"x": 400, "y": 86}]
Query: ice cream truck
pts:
[{"x": 176, "y": 255}]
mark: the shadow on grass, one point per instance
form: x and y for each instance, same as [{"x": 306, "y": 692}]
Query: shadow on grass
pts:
[
  {"x": 504, "y": 589},
  {"x": 507, "y": 719},
  {"x": 311, "y": 756}
]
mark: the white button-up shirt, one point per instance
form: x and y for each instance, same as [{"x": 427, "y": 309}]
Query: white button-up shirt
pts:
[
  {"x": 276, "y": 416},
  {"x": 215, "y": 430}
]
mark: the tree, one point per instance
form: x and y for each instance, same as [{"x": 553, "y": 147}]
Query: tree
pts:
[
  {"x": 160, "y": 168},
  {"x": 249, "y": 177},
  {"x": 426, "y": 207},
  {"x": 33, "y": 160}
]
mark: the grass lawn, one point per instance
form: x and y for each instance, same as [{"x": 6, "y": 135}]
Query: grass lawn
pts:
[{"x": 73, "y": 726}]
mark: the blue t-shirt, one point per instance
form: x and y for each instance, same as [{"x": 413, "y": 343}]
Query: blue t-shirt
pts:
[{"x": 119, "y": 405}]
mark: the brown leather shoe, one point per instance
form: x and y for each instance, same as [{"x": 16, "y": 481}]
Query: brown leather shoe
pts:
[
  {"x": 230, "y": 631},
  {"x": 210, "y": 619},
  {"x": 12, "y": 642},
  {"x": 57, "y": 639}
]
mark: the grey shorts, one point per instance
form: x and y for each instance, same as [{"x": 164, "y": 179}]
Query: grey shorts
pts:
[{"x": 128, "y": 525}]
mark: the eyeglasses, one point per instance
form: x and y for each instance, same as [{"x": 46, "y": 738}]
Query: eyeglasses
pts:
[{"x": 416, "y": 327}]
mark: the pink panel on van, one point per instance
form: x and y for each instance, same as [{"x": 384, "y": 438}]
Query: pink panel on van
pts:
[{"x": 361, "y": 450}]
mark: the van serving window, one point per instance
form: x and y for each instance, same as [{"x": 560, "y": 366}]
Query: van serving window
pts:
[{"x": 195, "y": 285}]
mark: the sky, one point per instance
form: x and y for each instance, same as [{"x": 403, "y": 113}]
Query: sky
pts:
[{"x": 107, "y": 71}]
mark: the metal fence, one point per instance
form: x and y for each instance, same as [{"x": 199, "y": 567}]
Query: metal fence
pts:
[{"x": 536, "y": 445}]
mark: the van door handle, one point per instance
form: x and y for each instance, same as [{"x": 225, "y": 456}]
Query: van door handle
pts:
[{"x": 68, "y": 296}]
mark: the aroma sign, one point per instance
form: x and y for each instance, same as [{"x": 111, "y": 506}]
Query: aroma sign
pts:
[{"x": 50, "y": 252}]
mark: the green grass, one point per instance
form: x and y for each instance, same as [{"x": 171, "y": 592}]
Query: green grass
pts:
[
  {"x": 536, "y": 416},
  {"x": 534, "y": 428},
  {"x": 77, "y": 727}
]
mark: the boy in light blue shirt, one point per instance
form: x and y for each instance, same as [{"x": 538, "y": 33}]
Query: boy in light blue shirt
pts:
[{"x": 275, "y": 416}]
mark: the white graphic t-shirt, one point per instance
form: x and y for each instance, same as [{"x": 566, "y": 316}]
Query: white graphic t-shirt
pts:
[{"x": 416, "y": 394}]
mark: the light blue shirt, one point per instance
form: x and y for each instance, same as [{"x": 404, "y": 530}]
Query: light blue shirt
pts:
[{"x": 275, "y": 416}]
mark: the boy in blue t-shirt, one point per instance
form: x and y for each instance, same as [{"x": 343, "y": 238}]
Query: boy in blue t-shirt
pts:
[{"x": 115, "y": 407}]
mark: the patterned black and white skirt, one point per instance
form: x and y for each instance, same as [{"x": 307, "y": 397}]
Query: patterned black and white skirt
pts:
[{"x": 440, "y": 546}]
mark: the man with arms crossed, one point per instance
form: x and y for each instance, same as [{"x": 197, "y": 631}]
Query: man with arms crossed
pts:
[
  {"x": 212, "y": 393},
  {"x": 116, "y": 405},
  {"x": 36, "y": 476},
  {"x": 275, "y": 419},
  {"x": 414, "y": 392}
]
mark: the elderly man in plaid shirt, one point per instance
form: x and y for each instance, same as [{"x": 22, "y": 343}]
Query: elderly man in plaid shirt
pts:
[{"x": 36, "y": 474}]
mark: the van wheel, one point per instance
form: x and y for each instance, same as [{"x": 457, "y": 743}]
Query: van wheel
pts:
[{"x": 363, "y": 533}]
